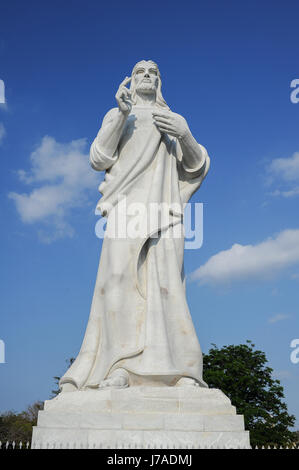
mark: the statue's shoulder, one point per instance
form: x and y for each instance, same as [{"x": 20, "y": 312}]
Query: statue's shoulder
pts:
[{"x": 109, "y": 115}]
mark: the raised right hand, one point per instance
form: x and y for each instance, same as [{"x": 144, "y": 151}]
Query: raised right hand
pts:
[{"x": 123, "y": 96}]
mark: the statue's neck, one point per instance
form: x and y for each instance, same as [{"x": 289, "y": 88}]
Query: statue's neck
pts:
[{"x": 145, "y": 99}]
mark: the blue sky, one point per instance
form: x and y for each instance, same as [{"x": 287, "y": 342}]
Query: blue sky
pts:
[{"x": 227, "y": 68}]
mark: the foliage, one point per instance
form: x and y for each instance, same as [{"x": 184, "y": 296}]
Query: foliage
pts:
[
  {"x": 243, "y": 375},
  {"x": 18, "y": 426},
  {"x": 239, "y": 371}
]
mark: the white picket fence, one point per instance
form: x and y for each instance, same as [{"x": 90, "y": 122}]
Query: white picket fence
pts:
[{"x": 55, "y": 445}]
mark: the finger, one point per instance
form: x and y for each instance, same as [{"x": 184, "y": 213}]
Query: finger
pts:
[
  {"x": 122, "y": 87},
  {"x": 125, "y": 90},
  {"x": 164, "y": 124},
  {"x": 125, "y": 81},
  {"x": 161, "y": 120},
  {"x": 125, "y": 94},
  {"x": 167, "y": 132},
  {"x": 127, "y": 101},
  {"x": 165, "y": 129}
]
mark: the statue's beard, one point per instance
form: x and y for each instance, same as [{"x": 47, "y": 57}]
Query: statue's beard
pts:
[{"x": 145, "y": 88}]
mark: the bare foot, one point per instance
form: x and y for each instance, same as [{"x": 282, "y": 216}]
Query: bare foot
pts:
[
  {"x": 187, "y": 382},
  {"x": 118, "y": 379}
]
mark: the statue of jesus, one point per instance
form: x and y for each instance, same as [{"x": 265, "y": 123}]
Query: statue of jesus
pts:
[{"x": 140, "y": 331}]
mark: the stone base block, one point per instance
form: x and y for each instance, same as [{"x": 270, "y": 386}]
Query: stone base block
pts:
[{"x": 140, "y": 417}]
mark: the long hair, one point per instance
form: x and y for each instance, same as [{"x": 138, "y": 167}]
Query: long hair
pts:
[{"x": 160, "y": 102}]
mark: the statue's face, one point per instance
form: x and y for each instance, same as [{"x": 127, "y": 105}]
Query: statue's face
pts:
[{"x": 146, "y": 77}]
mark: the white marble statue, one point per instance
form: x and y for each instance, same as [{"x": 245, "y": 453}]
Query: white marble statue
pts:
[{"x": 140, "y": 331}]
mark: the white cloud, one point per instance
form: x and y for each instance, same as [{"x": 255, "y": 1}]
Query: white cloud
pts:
[
  {"x": 261, "y": 261},
  {"x": 63, "y": 177},
  {"x": 2, "y": 132},
  {"x": 278, "y": 317},
  {"x": 290, "y": 193},
  {"x": 285, "y": 171},
  {"x": 286, "y": 168}
]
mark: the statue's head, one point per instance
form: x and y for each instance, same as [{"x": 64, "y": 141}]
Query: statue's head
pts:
[{"x": 146, "y": 79}]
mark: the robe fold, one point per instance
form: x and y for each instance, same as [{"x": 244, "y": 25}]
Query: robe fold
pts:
[{"x": 139, "y": 318}]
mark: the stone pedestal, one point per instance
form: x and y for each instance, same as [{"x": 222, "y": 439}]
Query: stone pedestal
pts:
[{"x": 140, "y": 417}]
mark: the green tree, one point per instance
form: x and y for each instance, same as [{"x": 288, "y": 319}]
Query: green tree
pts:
[
  {"x": 243, "y": 375},
  {"x": 18, "y": 426}
]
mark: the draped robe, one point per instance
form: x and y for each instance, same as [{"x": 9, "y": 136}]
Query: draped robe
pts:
[{"x": 139, "y": 318}]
